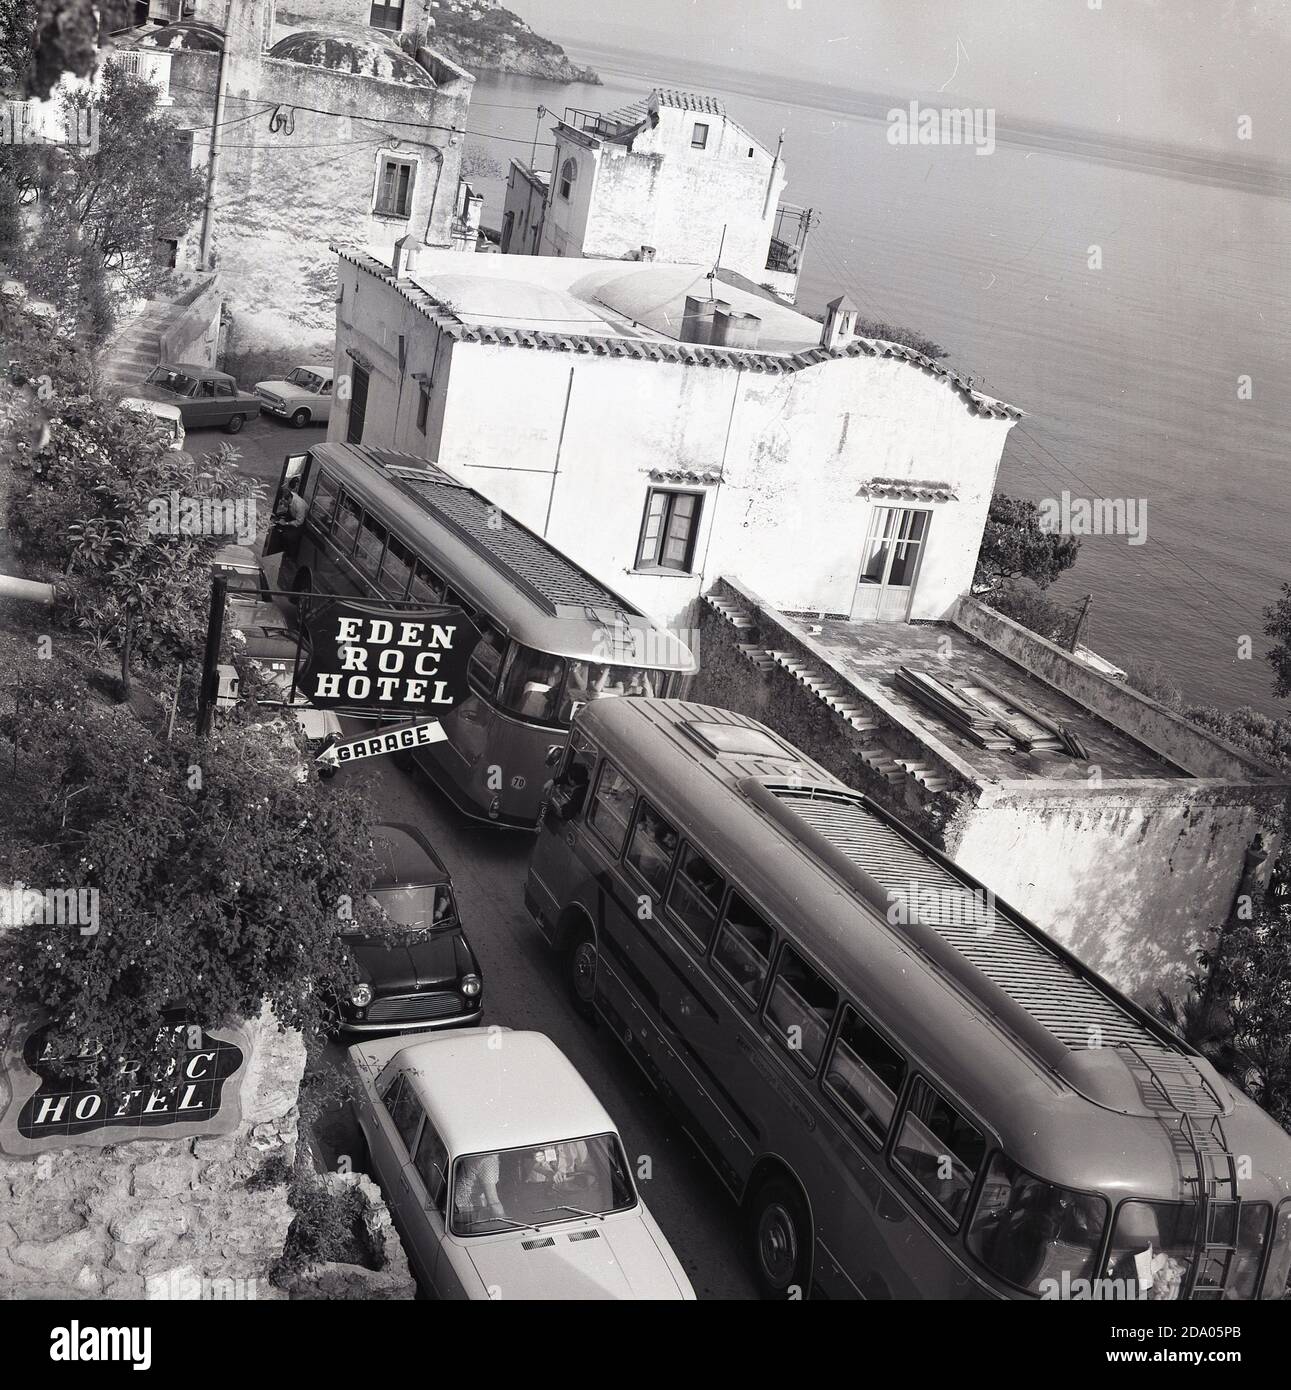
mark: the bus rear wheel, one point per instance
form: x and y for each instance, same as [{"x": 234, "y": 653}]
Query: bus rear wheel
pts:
[
  {"x": 779, "y": 1235},
  {"x": 580, "y": 972}
]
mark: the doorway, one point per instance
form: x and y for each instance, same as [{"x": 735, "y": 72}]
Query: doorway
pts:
[{"x": 890, "y": 564}]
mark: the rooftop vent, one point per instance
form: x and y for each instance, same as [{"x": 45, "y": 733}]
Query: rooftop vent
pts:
[
  {"x": 734, "y": 329},
  {"x": 404, "y": 260},
  {"x": 840, "y": 322}
]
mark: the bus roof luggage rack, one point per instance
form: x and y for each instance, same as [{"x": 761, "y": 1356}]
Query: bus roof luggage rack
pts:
[
  {"x": 547, "y": 576},
  {"x": 1055, "y": 1003}
]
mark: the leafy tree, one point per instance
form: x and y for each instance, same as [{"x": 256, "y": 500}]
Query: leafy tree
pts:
[
  {"x": 223, "y": 871},
  {"x": 102, "y": 213},
  {"x": 1277, "y": 625},
  {"x": 1025, "y": 604},
  {"x": 99, "y": 492},
  {"x": 1016, "y": 546},
  {"x": 1239, "y": 1011},
  {"x": 41, "y": 40}
]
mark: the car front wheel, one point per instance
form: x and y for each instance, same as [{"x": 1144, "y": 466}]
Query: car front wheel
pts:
[
  {"x": 235, "y": 424},
  {"x": 300, "y": 419}
]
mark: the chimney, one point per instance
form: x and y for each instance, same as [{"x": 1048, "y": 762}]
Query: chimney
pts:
[
  {"x": 647, "y": 253},
  {"x": 697, "y": 322},
  {"x": 733, "y": 329},
  {"x": 404, "y": 260},
  {"x": 840, "y": 322}
]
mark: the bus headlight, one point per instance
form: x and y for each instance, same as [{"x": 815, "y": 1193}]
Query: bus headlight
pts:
[
  {"x": 471, "y": 986},
  {"x": 360, "y": 996}
]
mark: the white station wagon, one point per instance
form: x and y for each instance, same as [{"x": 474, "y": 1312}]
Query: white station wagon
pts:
[{"x": 504, "y": 1174}]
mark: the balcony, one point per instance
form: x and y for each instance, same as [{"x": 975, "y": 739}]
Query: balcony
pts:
[{"x": 152, "y": 65}]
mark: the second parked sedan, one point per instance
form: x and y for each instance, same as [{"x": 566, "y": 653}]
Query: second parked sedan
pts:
[{"x": 417, "y": 970}]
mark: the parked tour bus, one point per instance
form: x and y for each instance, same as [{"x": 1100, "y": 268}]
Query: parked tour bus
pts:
[
  {"x": 910, "y": 1089},
  {"x": 388, "y": 525}
]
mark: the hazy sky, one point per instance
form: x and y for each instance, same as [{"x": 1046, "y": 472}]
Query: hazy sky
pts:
[{"x": 1176, "y": 70}]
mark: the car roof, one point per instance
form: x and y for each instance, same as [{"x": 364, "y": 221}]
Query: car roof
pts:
[
  {"x": 406, "y": 857},
  {"x": 501, "y": 1090},
  {"x": 193, "y": 369},
  {"x": 232, "y": 555}
]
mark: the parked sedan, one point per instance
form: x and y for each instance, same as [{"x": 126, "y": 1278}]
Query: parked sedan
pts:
[
  {"x": 303, "y": 396},
  {"x": 204, "y": 396},
  {"x": 503, "y": 1172},
  {"x": 417, "y": 971}
]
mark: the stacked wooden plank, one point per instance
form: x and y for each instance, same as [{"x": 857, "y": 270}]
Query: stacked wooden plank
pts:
[{"x": 987, "y": 715}]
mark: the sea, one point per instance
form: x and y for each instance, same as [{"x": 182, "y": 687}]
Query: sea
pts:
[{"x": 1133, "y": 303}]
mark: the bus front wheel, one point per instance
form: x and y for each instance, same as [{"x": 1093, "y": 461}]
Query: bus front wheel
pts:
[
  {"x": 581, "y": 972},
  {"x": 779, "y": 1233}
]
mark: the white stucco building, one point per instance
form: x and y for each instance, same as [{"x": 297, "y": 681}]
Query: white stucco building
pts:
[
  {"x": 663, "y": 438},
  {"x": 672, "y": 178}
]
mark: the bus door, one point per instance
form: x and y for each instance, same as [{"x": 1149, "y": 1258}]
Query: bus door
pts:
[{"x": 291, "y": 482}]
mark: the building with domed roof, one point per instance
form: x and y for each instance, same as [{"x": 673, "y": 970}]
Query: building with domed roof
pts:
[{"x": 316, "y": 120}]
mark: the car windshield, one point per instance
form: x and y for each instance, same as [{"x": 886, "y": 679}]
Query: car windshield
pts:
[
  {"x": 171, "y": 380},
  {"x": 594, "y": 680},
  {"x": 1030, "y": 1232},
  {"x": 511, "y": 1189},
  {"x": 302, "y": 376},
  {"x": 1153, "y": 1245},
  {"x": 415, "y": 909},
  {"x": 238, "y": 581}
]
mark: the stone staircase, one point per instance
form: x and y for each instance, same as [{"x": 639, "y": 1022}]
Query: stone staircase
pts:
[
  {"x": 136, "y": 350},
  {"x": 833, "y": 693}
]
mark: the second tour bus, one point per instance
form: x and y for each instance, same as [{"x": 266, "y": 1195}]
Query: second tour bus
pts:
[
  {"x": 910, "y": 1089},
  {"x": 388, "y": 525}
]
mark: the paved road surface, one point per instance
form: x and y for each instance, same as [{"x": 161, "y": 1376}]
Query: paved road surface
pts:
[{"x": 522, "y": 986}]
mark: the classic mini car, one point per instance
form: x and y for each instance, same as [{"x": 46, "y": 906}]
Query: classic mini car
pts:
[
  {"x": 204, "y": 396},
  {"x": 167, "y": 418},
  {"x": 503, "y": 1172},
  {"x": 302, "y": 396},
  {"x": 416, "y": 970}
]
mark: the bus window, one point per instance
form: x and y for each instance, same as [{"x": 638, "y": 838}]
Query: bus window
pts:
[
  {"x": 348, "y": 519},
  {"x": 743, "y": 949},
  {"x": 1277, "y": 1278},
  {"x": 426, "y": 587},
  {"x": 612, "y": 807},
  {"x": 801, "y": 1008},
  {"x": 1027, "y": 1230},
  {"x": 696, "y": 895},
  {"x": 531, "y": 685},
  {"x": 396, "y": 569},
  {"x": 865, "y": 1075},
  {"x": 370, "y": 548},
  {"x": 323, "y": 506},
  {"x": 486, "y": 661},
  {"x": 651, "y": 848},
  {"x": 935, "y": 1136}
]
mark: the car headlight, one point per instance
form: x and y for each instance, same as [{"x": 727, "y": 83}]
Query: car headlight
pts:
[
  {"x": 471, "y": 986},
  {"x": 360, "y": 996}
]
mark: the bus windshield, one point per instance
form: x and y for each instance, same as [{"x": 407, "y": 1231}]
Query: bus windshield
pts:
[
  {"x": 551, "y": 690},
  {"x": 1029, "y": 1231},
  {"x": 1154, "y": 1243}
]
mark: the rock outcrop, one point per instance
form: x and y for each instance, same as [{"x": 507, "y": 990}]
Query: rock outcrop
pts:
[{"x": 498, "y": 41}]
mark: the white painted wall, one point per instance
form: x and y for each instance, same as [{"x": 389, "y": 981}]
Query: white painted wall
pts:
[{"x": 794, "y": 447}]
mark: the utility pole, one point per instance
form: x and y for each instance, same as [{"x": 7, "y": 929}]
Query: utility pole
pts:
[
  {"x": 208, "y": 690},
  {"x": 213, "y": 155},
  {"x": 1081, "y": 619}
]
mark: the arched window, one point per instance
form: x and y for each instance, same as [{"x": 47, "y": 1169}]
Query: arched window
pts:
[{"x": 568, "y": 175}]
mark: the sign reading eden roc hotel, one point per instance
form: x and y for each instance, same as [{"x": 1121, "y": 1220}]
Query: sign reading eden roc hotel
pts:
[
  {"x": 367, "y": 660},
  {"x": 50, "y": 1102}
]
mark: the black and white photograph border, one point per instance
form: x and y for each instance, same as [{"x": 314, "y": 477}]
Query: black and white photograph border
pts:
[{"x": 645, "y": 655}]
